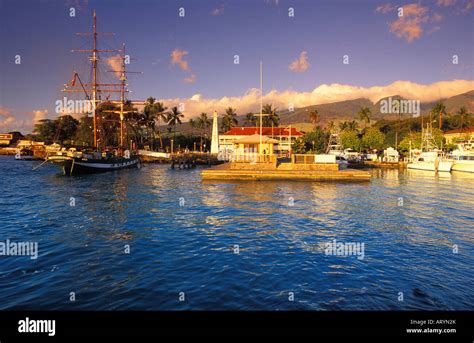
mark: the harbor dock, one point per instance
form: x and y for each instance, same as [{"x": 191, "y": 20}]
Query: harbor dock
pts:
[{"x": 284, "y": 171}]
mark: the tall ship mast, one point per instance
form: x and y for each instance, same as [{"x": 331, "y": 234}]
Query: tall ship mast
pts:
[{"x": 101, "y": 156}]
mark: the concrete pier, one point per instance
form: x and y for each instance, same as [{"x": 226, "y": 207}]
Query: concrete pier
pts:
[{"x": 284, "y": 171}]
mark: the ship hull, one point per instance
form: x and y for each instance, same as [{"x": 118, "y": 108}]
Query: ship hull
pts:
[
  {"x": 442, "y": 166},
  {"x": 77, "y": 166},
  {"x": 464, "y": 166}
]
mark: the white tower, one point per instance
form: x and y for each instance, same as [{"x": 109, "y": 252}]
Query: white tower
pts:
[{"x": 215, "y": 135}]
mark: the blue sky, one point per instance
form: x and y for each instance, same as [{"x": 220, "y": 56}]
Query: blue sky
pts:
[{"x": 381, "y": 52}]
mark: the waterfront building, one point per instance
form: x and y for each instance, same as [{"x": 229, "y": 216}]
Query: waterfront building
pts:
[
  {"x": 284, "y": 137},
  {"x": 391, "y": 155},
  {"x": 452, "y": 136}
]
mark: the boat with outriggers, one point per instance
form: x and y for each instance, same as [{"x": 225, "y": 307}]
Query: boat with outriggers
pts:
[
  {"x": 100, "y": 158},
  {"x": 429, "y": 157}
]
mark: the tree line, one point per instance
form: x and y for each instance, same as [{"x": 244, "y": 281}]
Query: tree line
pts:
[{"x": 156, "y": 125}]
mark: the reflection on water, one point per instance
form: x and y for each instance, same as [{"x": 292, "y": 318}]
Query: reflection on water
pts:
[{"x": 182, "y": 235}]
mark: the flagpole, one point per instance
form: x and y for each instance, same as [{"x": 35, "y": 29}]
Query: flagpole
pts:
[{"x": 261, "y": 106}]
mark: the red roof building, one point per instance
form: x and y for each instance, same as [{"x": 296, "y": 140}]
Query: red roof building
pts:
[
  {"x": 454, "y": 135},
  {"x": 266, "y": 131}
]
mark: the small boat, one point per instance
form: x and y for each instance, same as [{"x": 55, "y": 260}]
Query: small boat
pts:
[
  {"x": 25, "y": 155},
  {"x": 432, "y": 161},
  {"x": 352, "y": 156},
  {"x": 342, "y": 162}
]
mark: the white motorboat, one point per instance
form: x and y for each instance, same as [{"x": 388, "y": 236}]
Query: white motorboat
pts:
[
  {"x": 463, "y": 158},
  {"x": 432, "y": 161}
]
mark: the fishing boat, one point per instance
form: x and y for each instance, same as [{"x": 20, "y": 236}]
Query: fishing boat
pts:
[
  {"x": 431, "y": 161},
  {"x": 429, "y": 158},
  {"x": 334, "y": 146},
  {"x": 463, "y": 157},
  {"x": 101, "y": 157}
]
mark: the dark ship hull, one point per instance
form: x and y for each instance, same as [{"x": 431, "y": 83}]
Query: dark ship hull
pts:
[{"x": 78, "y": 165}]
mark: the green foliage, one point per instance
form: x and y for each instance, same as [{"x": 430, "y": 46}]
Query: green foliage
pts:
[
  {"x": 312, "y": 142},
  {"x": 229, "y": 119},
  {"x": 299, "y": 146},
  {"x": 350, "y": 139},
  {"x": 314, "y": 117},
  {"x": 62, "y": 129},
  {"x": 84, "y": 136},
  {"x": 348, "y": 125},
  {"x": 373, "y": 139},
  {"x": 416, "y": 140},
  {"x": 45, "y": 130},
  {"x": 250, "y": 120},
  {"x": 272, "y": 119},
  {"x": 365, "y": 114},
  {"x": 174, "y": 118}
]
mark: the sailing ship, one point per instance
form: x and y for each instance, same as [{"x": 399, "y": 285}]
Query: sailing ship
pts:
[{"x": 100, "y": 157}]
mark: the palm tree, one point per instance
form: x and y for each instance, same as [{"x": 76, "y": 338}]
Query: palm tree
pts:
[
  {"x": 348, "y": 125},
  {"x": 364, "y": 115},
  {"x": 149, "y": 116},
  {"x": 174, "y": 118},
  {"x": 202, "y": 123},
  {"x": 464, "y": 116},
  {"x": 331, "y": 126},
  {"x": 352, "y": 125},
  {"x": 272, "y": 119},
  {"x": 314, "y": 117},
  {"x": 439, "y": 110},
  {"x": 343, "y": 125},
  {"x": 229, "y": 119},
  {"x": 250, "y": 119},
  {"x": 161, "y": 114}
]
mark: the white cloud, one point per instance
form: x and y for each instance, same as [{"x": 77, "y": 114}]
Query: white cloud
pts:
[
  {"x": 445, "y": 3},
  {"x": 414, "y": 21},
  {"x": 190, "y": 79},
  {"x": 24, "y": 122},
  {"x": 177, "y": 58},
  {"x": 218, "y": 10},
  {"x": 325, "y": 93},
  {"x": 385, "y": 8},
  {"x": 301, "y": 64},
  {"x": 115, "y": 63}
]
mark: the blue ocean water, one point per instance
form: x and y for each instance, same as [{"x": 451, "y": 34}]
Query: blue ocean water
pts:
[{"x": 197, "y": 245}]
